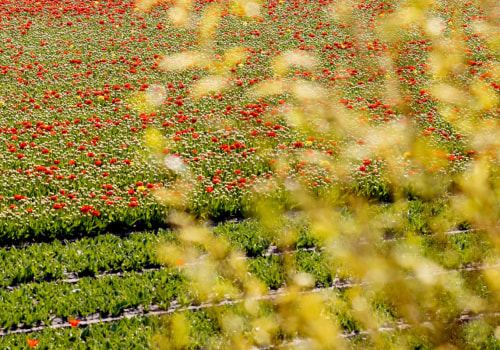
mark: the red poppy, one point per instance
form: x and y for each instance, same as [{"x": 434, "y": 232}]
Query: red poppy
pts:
[
  {"x": 86, "y": 209},
  {"x": 32, "y": 342},
  {"x": 73, "y": 322}
]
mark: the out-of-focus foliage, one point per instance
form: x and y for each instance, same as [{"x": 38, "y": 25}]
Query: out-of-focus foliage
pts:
[{"x": 398, "y": 296}]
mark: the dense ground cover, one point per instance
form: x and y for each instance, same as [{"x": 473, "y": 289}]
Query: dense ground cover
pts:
[
  {"x": 96, "y": 125},
  {"x": 73, "y": 140},
  {"x": 40, "y": 290}
]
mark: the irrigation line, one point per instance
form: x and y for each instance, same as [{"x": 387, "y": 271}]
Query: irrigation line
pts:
[
  {"x": 400, "y": 325},
  {"x": 72, "y": 277},
  {"x": 155, "y": 310},
  {"x": 273, "y": 250}
]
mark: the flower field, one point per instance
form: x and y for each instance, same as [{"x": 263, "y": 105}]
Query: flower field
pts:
[
  {"x": 112, "y": 118},
  {"x": 70, "y": 129}
]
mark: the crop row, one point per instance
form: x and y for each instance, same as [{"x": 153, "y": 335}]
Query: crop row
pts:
[
  {"x": 32, "y": 303},
  {"x": 106, "y": 254},
  {"x": 472, "y": 333},
  {"x": 135, "y": 333},
  {"x": 41, "y": 302},
  {"x": 84, "y": 257},
  {"x": 139, "y": 333},
  {"x": 111, "y": 254},
  {"x": 28, "y": 302}
]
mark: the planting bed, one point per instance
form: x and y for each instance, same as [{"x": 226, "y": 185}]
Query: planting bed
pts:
[{"x": 84, "y": 100}]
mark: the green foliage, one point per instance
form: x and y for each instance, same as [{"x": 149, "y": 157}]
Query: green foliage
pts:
[
  {"x": 134, "y": 333},
  {"x": 269, "y": 270},
  {"x": 247, "y": 236}
]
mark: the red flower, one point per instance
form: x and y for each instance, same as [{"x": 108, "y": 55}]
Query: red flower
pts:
[
  {"x": 32, "y": 342},
  {"x": 132, "y": 204},
  {"x": 95, "y": 213},
  {"x": 210, "y": 189},
  {"x": 86, "y": 209},
  {"x": 73, "y": 322}
]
